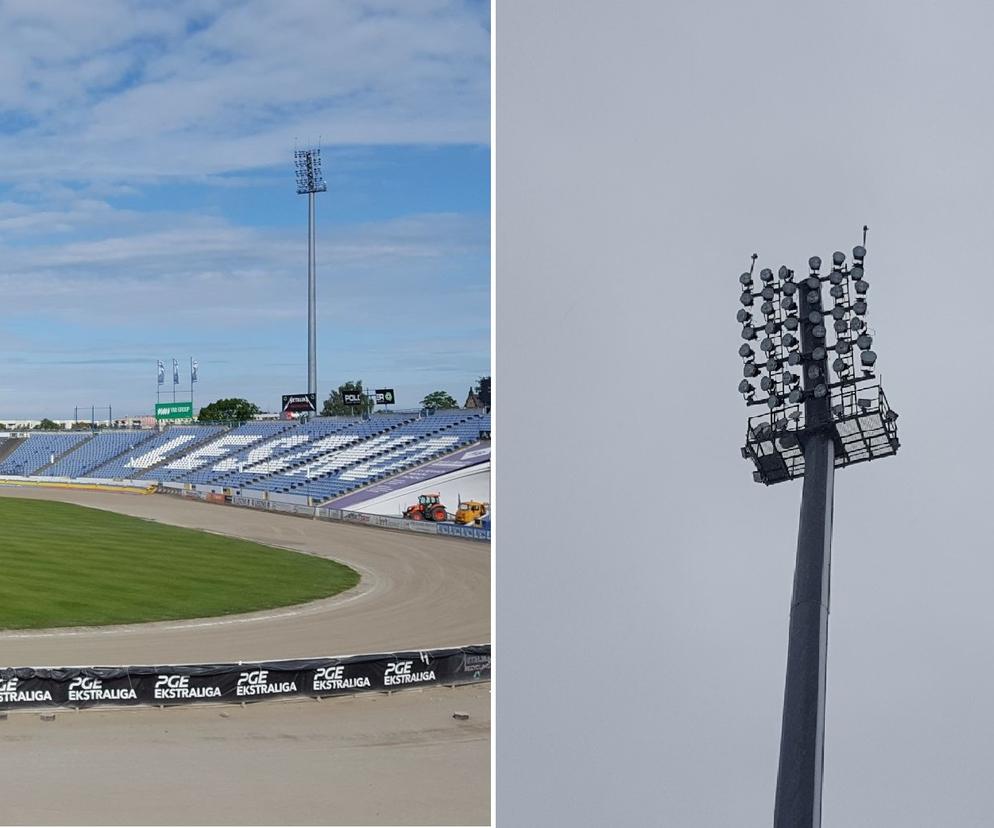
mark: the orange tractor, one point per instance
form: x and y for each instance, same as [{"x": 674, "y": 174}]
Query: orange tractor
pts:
[{"x": 427, "y": 508}]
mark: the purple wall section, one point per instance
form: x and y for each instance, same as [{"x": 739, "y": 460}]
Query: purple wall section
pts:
[{"x": 472, "y": 456}]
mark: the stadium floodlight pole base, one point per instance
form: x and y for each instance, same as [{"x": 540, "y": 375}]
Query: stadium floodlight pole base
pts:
[{"x": 802, "y": 738}]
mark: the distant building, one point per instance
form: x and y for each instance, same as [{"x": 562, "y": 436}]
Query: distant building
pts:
[{"x": 473, "y": 400}]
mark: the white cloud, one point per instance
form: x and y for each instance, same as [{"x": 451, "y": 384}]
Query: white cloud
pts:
[{"x": 118, "y": 91}]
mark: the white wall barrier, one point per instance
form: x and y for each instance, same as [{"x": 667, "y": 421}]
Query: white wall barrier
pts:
[{"x": 384, "y": 521}]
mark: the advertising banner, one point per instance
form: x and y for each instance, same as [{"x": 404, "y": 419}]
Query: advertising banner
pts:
[
  {"x": 80, "y": 687},
  {"x": 174, "y": 411},
  {"x": 300, "y": 403},
  {"x": 457, "y": 531}
]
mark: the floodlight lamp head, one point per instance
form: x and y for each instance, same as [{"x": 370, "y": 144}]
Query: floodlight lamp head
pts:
[
  {"x": 746, "y": 279},
  {"x": 838, "y": 257},
  {"x": 308, "y": 167},
  {"x": 783, "y": 273},
  {"x": 814, "y": 263},
  {"x": 859, "y": 252},
  {"x": 766, "y": 274}
]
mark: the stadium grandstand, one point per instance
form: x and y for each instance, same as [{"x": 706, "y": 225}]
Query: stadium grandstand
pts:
[{"x": 321, "y": 458}]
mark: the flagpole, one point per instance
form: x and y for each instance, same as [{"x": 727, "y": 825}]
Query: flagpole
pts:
[{"x": 191, "y": 387}]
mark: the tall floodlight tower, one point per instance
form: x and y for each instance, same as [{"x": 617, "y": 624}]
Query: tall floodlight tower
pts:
[
  {"x": 310, "y": 181},
  {"x": 816, "y": 422}
]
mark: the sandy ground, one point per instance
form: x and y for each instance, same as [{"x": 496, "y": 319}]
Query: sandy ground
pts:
[
  {"x": 370, "y": 759},
  {"x": 365, "y": 760}
]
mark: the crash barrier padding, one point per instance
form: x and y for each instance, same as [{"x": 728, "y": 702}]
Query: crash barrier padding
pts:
[{"x": 76, "y": 687}]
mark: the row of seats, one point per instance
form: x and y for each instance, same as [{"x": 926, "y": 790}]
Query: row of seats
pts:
[
  {"x": 211, "y": 454},
  {"x": 95, "y": 452},
  {"x": 168, "y": 444},
  {"x": 40, "y": 450},
  {"x": 323, "y": 457}
]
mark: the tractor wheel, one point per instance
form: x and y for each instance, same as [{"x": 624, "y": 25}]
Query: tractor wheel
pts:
[
  {"x": 439, "y": 515},
  {"x": 416, "y": 516}
]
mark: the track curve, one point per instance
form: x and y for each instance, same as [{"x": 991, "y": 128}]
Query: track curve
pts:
[{"x": 416, "y": 591}]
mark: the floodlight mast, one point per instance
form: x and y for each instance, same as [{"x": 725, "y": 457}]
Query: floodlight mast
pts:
[
  {"x": 802, "y": 736},
  {"x": 833, "y": 428},
  {"x": 310, "y": 182}
]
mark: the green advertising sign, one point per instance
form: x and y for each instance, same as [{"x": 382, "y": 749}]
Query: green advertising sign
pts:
[{"x": 174, "y": 411}]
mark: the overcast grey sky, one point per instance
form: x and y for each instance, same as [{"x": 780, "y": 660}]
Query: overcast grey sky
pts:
[{"x": 644, "y": 150}]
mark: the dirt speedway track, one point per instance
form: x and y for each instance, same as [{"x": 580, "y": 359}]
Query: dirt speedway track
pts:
[
  {"x": 416, "y": 592},
  {"x": 372, "y": 759}
]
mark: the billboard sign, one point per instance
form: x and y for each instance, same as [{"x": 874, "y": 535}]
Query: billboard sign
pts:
[
  {"x": 174, "y": 411},
  {"x": 384, "y": 396},
  {"x": 299, "y": 403},
  {"x": 351, "y": 399}
]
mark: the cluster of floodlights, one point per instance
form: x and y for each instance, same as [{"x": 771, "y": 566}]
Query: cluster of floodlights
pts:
[
  {"x": 774, "y": 328},
  {"x": 308, "y": 167}
]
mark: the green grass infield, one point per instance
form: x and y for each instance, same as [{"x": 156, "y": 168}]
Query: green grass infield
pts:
[{"x": 68, "y": 566}]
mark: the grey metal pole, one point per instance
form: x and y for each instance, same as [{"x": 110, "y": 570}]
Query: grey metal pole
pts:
[
  {"x": 312, "y": 369},
  {"x": 802, "y": 737}
]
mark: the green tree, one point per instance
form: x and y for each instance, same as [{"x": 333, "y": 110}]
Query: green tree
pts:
[
  {"x": 336, "y": 405},
  {"x": 49, "y": 425},
  {"x": 230, "y": 410},
  {"x": 439, "y": 399}
]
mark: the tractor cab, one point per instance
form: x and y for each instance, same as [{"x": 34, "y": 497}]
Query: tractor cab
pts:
[{"x": 428, "y": 499}]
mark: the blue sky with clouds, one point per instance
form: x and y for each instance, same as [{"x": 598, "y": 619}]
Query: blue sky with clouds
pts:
[{"x": 148, "y": 206}]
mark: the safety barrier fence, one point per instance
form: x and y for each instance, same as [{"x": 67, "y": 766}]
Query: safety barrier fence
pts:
[
  {"x": 79, "y": 687},
  {"x": 326, "y": 513}
]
